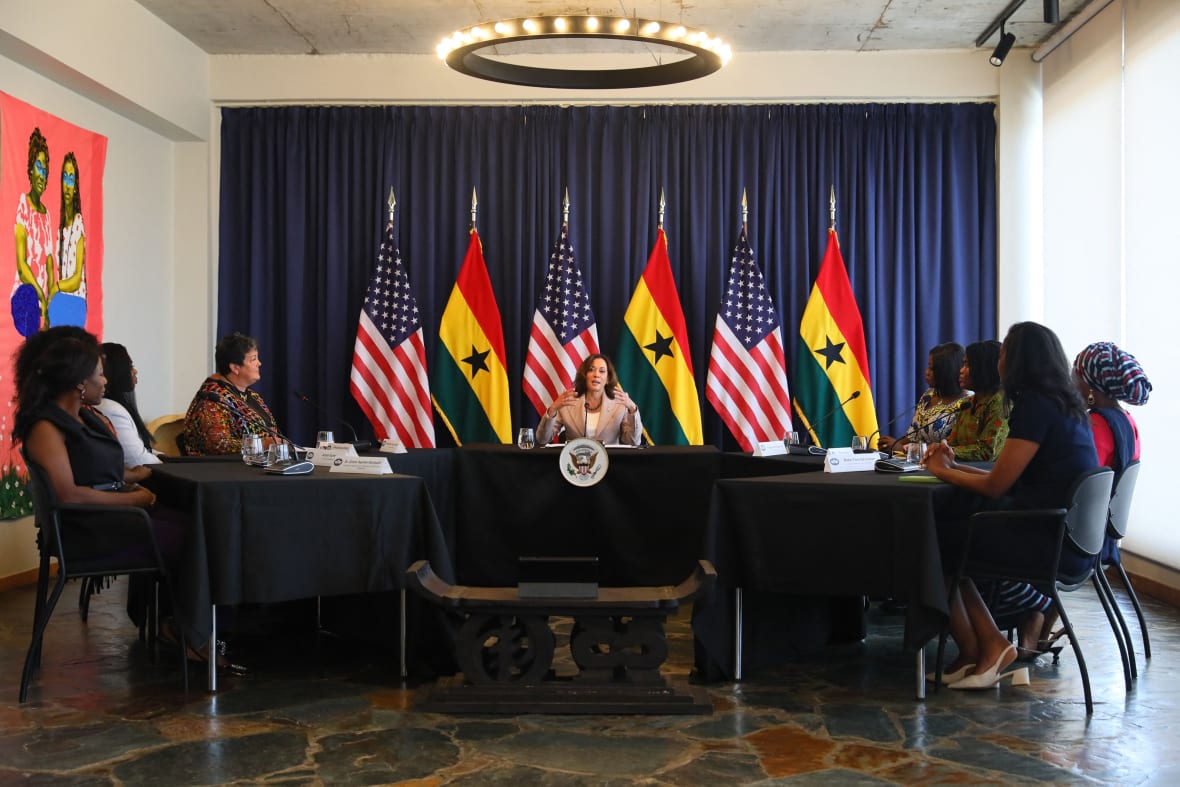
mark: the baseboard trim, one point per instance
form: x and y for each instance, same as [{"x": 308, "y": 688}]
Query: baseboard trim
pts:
[
  {"x": 1146, "y": 586},
  {"x": 30, "y": 578}
]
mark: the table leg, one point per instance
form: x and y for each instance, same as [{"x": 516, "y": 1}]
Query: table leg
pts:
[
  {"x": 402, "y": 635},
  {"x": 212, "y": 660},
  {"x": 920, "y": 658},
  {"x": 737, "y": 634}
]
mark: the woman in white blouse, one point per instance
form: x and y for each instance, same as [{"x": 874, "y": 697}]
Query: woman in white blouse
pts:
[{"x": 118, "y": 405}]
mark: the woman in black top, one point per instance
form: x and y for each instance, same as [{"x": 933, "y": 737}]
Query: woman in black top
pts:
[
  {"x": 75, "y": 447},
  {"x": 1049, "y": 445}
]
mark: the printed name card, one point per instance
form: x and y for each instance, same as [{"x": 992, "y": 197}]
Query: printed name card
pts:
[
  {"x": 366, "y": 465},
  {"x": 325, "y": 457},
  {"x": 770, "y": 448},
  {"x": 345, "y": 449},
  {"x": 389, "y": 446},
  {"x": 844, "y": 460}
]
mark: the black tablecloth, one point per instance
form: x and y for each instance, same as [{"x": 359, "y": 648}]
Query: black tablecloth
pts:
[
  {"x": 645, "y": 520},
  {"x": 258, "y": 537},
  {"x": 735, "y": 465},
  {"x": 822, "y": 534}
]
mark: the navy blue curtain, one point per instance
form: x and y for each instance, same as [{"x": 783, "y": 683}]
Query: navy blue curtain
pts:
[{"x": 304, "y": 193}]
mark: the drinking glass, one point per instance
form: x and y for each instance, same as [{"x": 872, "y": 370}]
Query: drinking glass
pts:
[
  {"x": 792, "y": 438},
  {"x": 252, "y": 448},
  {"x": 860, "y": 442},
  {"x": 525, "y": 438},
  {"x": 915, "y": 452},
  {"x": 279, "y": 452},
  {"x": 323, "y": 437}
]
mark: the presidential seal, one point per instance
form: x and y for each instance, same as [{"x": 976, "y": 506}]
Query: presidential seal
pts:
[{"x": 583, "y": 461}]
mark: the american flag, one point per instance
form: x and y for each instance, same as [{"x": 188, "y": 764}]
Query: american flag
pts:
[
  {"x": 388, "y": 377},
  {"x": 747, "y": 381},
  {"x": 564, "y": 331}
]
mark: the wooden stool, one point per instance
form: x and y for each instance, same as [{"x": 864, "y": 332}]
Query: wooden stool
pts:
[{"x": 505, "y": 648}]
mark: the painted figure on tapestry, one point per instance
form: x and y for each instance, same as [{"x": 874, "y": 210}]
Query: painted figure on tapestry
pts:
[
  {"x": 67, "y": 296},
  {"x": 34, "y": 245}
]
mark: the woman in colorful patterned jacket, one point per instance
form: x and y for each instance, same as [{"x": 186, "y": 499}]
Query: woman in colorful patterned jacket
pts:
[{"x": 224, "y": 407}]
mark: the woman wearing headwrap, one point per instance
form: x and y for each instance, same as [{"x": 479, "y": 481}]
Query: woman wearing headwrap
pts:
[{"x": 1106, "y": 375}]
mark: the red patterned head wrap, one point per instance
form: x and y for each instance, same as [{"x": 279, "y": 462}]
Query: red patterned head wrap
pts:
[{"x": 1114, "y": 372}]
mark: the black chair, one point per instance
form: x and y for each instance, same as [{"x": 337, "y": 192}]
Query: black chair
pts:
[
  {"x": 1116, "y": 528},
  {"x": 89, "y": 541},
  {"x": 1081, "y": 528}
]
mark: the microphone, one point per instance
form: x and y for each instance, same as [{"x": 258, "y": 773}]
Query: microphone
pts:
[
  {"x": 357, "y": 443},
  {"x": 888, "y": 424},
  {"x": 819, "y": 421},
  {"x": 913, "y": 430}
]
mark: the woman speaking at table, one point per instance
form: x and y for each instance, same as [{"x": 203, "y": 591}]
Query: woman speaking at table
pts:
[
  {"x": 939, "y": 406},
  {"x": 224, "y": 407},
  {"x": 595, "y": 407},
  {"x": 1049, "y": 445}
]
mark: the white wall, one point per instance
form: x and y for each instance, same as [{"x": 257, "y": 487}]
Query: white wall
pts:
[
  {"x": 756, "y": 76},
  {"x": 1110, "y": 257}
]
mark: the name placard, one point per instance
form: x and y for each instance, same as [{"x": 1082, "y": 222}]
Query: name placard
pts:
[
  {"x": 392, "y": 447},
  {"x": 770, "y": 448},
  {"x": 345, "y": 449},
  {"x": 325, "y": 457},
  {"x": 844, "y": 460},
  {"x": 366, "y": 465}
]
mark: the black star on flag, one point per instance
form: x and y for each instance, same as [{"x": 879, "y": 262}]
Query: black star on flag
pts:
[
  {"x": 830, "y": 352},
  {"x": 478, "y": 361},
  {"x": 661, "y": 346}
]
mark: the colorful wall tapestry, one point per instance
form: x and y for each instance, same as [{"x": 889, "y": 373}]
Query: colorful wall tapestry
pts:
[{"x": 51, "y": 176}]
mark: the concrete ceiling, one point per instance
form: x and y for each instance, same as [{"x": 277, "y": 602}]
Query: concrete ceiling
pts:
[{"x": 329, "y": 27}]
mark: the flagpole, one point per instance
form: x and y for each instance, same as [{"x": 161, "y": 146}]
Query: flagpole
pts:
[
  {"x": 474, "y": 206},
  {"x": 392, "y": 204},
  {"x": 832, "y": 226}
]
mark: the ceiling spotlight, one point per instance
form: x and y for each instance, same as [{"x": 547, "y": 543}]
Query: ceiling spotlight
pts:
[
  {"x": 1003, "y": 48},
  {"x": 1052, "y": 12}
]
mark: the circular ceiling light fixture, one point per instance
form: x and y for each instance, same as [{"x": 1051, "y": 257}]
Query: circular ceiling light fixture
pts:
[{"x": 706, "y": 53}]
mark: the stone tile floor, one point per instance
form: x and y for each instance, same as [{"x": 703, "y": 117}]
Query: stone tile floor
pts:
[{"x": 323, "y": 710}]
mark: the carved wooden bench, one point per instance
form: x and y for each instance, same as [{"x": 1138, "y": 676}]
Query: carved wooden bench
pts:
[{"x": 505, "y": 648}]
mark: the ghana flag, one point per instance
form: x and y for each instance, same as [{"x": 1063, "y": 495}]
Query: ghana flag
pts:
[
  {"x": 470, "y": 385},
  {"x": 832, "y": 365},
  {"x": 654, "y": 363}
]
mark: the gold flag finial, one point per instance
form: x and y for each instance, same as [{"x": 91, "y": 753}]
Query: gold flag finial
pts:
[
  {"x": 392, "y": 204},
  {"x": 663, "y": 205},
  {"x": 833, "y": 207},
  {"x": 474, "y": 206},
  {"x": 745, "y": 210},
  {"x": 565, "y": 207}
]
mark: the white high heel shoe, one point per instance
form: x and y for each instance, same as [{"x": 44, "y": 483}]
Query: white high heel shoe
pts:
[
  {"x": 993, "y": 676},
  {"x": 951, "y": 677}
]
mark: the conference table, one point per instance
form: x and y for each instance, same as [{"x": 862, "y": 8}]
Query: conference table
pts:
[
  {"x": 770, "y": 525},
  {"x": 816, "y": 534},
  {"x": 257, "y": 537}
]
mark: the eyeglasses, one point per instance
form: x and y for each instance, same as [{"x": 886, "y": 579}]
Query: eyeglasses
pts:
[
  {"x": 69, "y": 179},
  {"x": 41, "y": 170}
]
